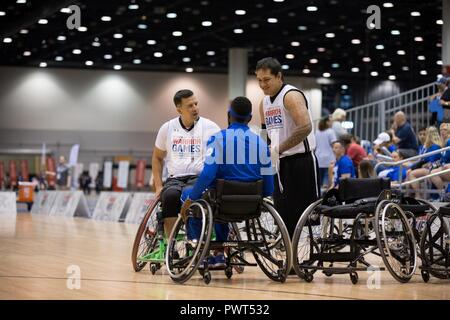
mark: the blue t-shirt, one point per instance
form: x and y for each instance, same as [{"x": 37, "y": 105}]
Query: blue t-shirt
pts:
[
  {"x": 392, "y": 148},
  {"x": 446, "y": 155},
  {"x": 435, "y": 106},
  {"x": 235, "y": 154},
  {"x": 343, "y": 166},
  {"x": 407, "y": 137},
  {"x": 394, "y": 173},
  {"x": 434, "y": 157}
]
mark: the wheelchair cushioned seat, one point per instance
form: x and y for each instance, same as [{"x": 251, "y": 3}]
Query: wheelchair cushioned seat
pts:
[
  {"x": 236, "y": 201},
  {"x": 352, "y": 189},
  {"x": 445, "y": 211}
]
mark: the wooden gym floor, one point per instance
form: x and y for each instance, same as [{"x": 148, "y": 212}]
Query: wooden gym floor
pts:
[{"x": 36, "y": 252}]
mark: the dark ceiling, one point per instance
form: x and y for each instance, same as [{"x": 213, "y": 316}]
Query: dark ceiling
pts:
[{"x": 335, "y": 35}]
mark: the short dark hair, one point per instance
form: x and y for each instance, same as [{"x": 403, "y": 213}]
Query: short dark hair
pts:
[
  {"x": 338, "y": 141},
  {"x": 180, "y": 94},
  {"x": 422, "y": 129},
  {"x": 346, "y": 139},
  {"x": 269, "y": 63},
  {"x": 243, "y": 108},
  {"x": 323, "y": 123}
]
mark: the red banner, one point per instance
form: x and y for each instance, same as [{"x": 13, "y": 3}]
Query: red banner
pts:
[
  {"x": 140, "y": 173},
  {"x": 446, "y": 70},
  {"x": 2, "y": 174},
  {"x": 12, "y": 173},
  {"x": 51, "y": 172},
  {"x": 24, "y": 170}
]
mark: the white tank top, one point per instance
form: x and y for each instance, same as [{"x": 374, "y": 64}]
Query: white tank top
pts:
[{"x": 280, "y": 124}]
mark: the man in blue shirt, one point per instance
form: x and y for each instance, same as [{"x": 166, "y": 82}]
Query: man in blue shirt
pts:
[
  {"x": 343, "y": 168},
  {"x": 237, "y": 154},
  {"x": 404, "y": 136}
]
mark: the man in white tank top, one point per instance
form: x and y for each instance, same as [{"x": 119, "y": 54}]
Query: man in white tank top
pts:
[
  {"x": 182, "y": 143},
  {"x": 285, "y": 114}
]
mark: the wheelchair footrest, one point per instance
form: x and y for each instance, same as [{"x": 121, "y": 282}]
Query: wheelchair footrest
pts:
[
  {"x": 337, "y": 270},
  {"x": 334, "y": 256}
]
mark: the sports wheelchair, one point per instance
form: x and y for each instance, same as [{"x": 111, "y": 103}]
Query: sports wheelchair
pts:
[
  {"x": 149, "y": 244},
  {"x": 233, "y": 202},
  {"x": 435, "y": 245},
  {"x": 363, "y": 217}
]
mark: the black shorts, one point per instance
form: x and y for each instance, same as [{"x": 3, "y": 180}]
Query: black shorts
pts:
[
  {"x": 171, "y": 194},
  {"x": 299, "y": 176}
]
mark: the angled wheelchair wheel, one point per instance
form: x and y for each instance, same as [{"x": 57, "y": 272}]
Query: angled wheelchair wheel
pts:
[
  {"x": 184, "y": 256},
  {"x": 146, "y": 237},
  {"x": 395, "y": 239},
  {"x": 306, "y": 241},
  {"x": 274, "y": 256},
  {"x": 435, "y": 247}
]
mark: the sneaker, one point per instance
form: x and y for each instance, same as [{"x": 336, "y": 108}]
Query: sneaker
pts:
[
  {"x": 219, "y": 261},
  {"x": 207, "y": 261}
]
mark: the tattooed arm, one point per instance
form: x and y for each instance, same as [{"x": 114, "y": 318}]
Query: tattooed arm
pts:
[{"x": 295, "y": 104}]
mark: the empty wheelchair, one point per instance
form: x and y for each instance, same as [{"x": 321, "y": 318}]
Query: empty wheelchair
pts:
[
  {"x": 337, "y": 233},
  {"x": 435, "y": 245},
  {"x": 149, "y": 244},
  {"x": 264, "y": 234}
]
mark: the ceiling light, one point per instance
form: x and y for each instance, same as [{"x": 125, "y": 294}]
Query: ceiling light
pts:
[
  {"x": 392, "y": 77},
  {"x": 24, "y": 31},
  {"x": 290, "y": 56},
  {"x": 311, "y": 8},
  {"x": 238, "y": 31},
  {"x": 76, "y": 51},
  {"x": 210, "y": 53},
  {"x": 43, "y": 64},
  {"x": 177, "y": 33},
  {"x": 306, "y": 71},
  {"x": 387, "y": 64},
  {"x": 330, "y": 35},
  {"x": 418, "y": 39},
  {"x": 2, "y": 13},
  {"x": 127, "y": 49},
  {"x": 415, "y": 14},
  {"x": 302, "y": 28},
  {"x": 272, "y": 20},
  {"x": 65, "y": 10},
  {"x": 395, "y": 32},
  {"x": 374, "y": 74},
  {"x": 321, "y": 49},
  {"x": 61, "y": 38},
  {"x": 439, "y": 21},
  {"x": 7, "y": 40},
  {"x": 133, "y": 6},
  {"x": 82, "y": 29},
  {"x": 335, "y": 65},
  {"x": 379, "y": 47},
  {"x": 106, "y": 18},
  {"x": 59, "y": 58},
  {"x": 344, "y": 87},
  {"x": 158, "y": 54},
  {"x": 326, "y": 75},
  {"x": 189, "y": 70},
  {"x": 151, "y": 42},
  {"x": 182, "y": 48},
  {"x": 401, "y": 52},
  {"x": 355, "y": 69},
  {"x": 171, "y": 15},
  {"x": 295, "y": 43},
  {"x": 405, "y": 68},
  {"x": 107, "y": 56},
  {"x": 206, "y": 23},
  {"x": 240, "y": 12},
  {"x": 118, "y": 36},
  {"x": 137, "y": 61},
  {"x": 439, "y": 62},
  {"x": 186, "y": 59},
  {"x": 96, "y": 44},
  {"x": 388, "y": 5},
  {"x": 142, "y": 26},
  {"x": 21, "y": 1},
  {"x": 278, "y": 0},
  {"x": 89, "y": 63},
  {"x": 285, "y": 67},
  {"x": 117, "y": 67},
  {"x": 313, "y": 61},
  {"x": 27, "y": 53},
  {"x": 366, "y": 59},
  {"x": 356, "y": 41},
  {"x": 423, "y": 72},
  {"x": 43, "y": 21},
  {"x": 420, "y": 57}
]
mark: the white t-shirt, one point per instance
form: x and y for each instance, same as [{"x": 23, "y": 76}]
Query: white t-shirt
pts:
[
  {"x": 186, "y": 149},
  {"x": 280, "y": 124},
  {"x": 324, "y": 151}
]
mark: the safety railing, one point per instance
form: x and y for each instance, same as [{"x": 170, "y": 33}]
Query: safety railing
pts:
[{"x": 375, "y": 117}]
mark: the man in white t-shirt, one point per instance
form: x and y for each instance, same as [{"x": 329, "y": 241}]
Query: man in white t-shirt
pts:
[{"x": 181, "y": 142}]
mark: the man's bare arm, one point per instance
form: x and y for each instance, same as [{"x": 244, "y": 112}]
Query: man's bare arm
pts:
[
  {"x": 157, "y": 168},
  {"x": 295, "y": 104}
]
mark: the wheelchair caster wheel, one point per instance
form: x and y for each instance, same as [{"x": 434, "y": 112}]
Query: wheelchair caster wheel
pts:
[
  {"x": 207, "y": 277},
  {"x": 354, "y": 277},
  {"x": 328, "y": 274},
  {"x": 229, "y": 272},
  {"x": 308, "y": 277},
  {"x": 153, "y": 268},
  {"x": 201, "y": 271},
  {"x": 425, "y": 276}
]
